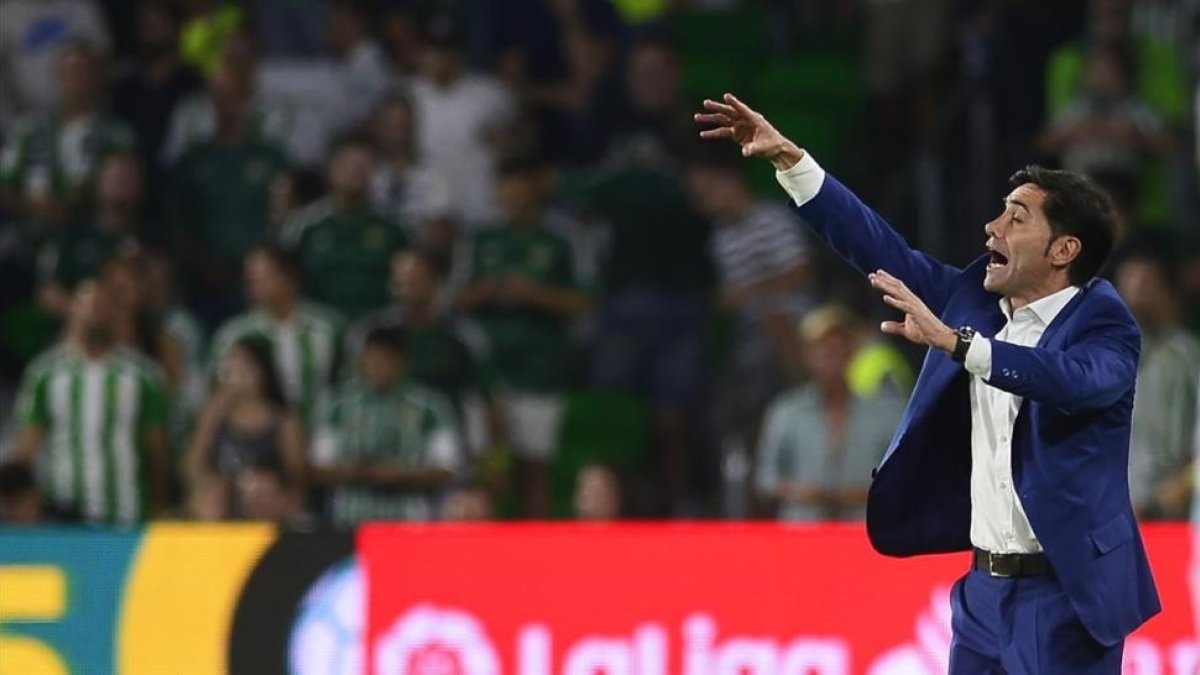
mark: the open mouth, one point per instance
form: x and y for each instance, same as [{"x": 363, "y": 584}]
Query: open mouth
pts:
[{"x": 996, "y": 260}]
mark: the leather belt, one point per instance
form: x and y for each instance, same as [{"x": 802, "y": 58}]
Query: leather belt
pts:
[{"x": 1011, "y": 564}]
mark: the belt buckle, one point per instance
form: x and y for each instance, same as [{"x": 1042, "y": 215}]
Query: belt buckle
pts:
[{"x": 992, "y": 557}]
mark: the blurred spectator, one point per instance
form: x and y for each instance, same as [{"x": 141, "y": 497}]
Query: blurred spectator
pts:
[
  {"x": 303, "y": 337},
  {"x": 134, "y": 323},
  {"x": 362, "y": 65},
  {"x": 78, "y": 251},
  {"x": 447, "y": 353},
  {"x": 266, "y": 492},
  {"x": 294, "y": 29},
  {"x": 468, "y": 503},
  {"x": 184, "y": 331},
  {"x": 1106, "y": 131},
  {"x": 384, "y": 445},
  {"x": 32, "y": 33},
  {"x": 403, "y": 187},
  {"x": 402, "y": 38},
  {"x": 95, "y": 413},
  {"x": 208, "y": 28},
  {"x": 150, "y": 86},
  {"x": 342, "y": 246},
  {"x": 520, "y": 286},
  {"x": 655, "y": 285},
  {"x": 597, "y": 493},
  {"x": 654, "y": 123},
  {"x": 557, "y": 57},
  {"x": 905, "y": 46},
  {"x": 463, "y": 118},
  {"x": 821, "y": 440},
  {"x": 220, "y": 199},
  {"x": 763, "y": 268},
  {"x": 1164, "y": 413},
  {"x": 270, "y": 107},
  {"x": 246, "y": 422},
  {"x": 20, "y": 503},
  {"x": 1158, "y": 76},
  {"x": 49, "y": 161}
]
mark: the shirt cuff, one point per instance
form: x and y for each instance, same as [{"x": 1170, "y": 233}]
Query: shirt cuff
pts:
[
  {"x": 979, "y": 358},
  {"x": 803, "y": 181}
]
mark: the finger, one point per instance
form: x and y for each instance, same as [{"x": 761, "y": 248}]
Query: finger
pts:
[
  {"x": 899, "y": 303},
  {"x": 713, "y": 118},
  {"x": 722, "y": 132},
  {"x": 741, "y": 108},
  {"x": 717, "y": 106},
  {"x": 892, "y": 327}
]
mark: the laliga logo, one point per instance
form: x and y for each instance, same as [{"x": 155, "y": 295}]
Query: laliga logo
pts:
[
  {"x": 428, "y": 640},
  {"x": 432, "y": 641}
]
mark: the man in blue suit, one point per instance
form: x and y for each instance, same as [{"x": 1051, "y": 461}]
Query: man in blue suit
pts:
[{"x": 1015, "y": 443}]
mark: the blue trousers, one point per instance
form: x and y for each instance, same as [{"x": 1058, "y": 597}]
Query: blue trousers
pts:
[{"x": 1022, "y": 626}]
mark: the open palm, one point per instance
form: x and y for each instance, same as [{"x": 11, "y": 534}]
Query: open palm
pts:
[{"x": 736, "y": 121}]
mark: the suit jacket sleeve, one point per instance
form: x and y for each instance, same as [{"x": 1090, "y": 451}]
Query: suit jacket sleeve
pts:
[
  {"x": 862, "y": 237},
  {"x": 1094, "y": 372}
]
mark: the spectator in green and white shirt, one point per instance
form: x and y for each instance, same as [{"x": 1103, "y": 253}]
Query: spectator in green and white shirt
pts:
[
  {"x": 304, "y": 337},
  {"x": 48, "y": 163},
  {"x": 95, "y": 414},
  {"x": 1164, "y": 411},
  {"x": 384, "y": 446}
]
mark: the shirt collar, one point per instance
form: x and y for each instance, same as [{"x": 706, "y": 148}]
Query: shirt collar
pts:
[{"x": 1045, "y": 309}]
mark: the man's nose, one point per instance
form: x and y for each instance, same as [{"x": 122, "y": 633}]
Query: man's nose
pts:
[{"x": 992, "y": 228}]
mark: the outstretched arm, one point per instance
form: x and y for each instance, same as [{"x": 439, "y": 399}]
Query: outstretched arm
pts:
[{"x": 850, "y": 227}]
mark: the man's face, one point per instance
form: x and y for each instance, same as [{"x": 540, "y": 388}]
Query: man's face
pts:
[
  {"x": 828, "y": 356},
  {"x": 119, "y": 184},
  {"x": 350, "y": 172},
  {"x": 519, "y": 196},
  {"x": 653, "y": 79},
  {"x": 265, "y": 283},
  {"x": 597, "y": 495},
  {"x": 1145, "y": 289},
  {"x": 394, "y": 126},
  {"x": 710, "y": 190},
  {"x": 1019, "y": 241},
  {"x": 412, "y": 282},
  {"x": 381, "y": 367},
  {"x": 91, "y": 307},
  {"x": 78, "y": 80},
  {"x": 440, "y": 63}
]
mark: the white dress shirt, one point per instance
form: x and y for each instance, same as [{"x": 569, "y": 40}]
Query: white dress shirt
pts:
[{"x": 998, "y": 521}]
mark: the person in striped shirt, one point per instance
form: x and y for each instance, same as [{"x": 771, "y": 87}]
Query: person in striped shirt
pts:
[
  {"x": 384, "y": 446},
  {"x": 304, "y": 337},
  {"x": 95, "y": 413}
]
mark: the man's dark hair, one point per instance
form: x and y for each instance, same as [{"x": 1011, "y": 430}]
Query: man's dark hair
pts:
[
  {"x": 391, "y": 338},
  {"x": 1075, "y": 206},
  {"x": 280, "y": 258}
]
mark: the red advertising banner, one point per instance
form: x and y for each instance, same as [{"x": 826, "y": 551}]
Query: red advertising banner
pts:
[{"x": 664, "y": 599}]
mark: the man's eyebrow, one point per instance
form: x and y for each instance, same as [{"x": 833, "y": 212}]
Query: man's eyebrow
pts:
[{"x": 1009, "y": 200}]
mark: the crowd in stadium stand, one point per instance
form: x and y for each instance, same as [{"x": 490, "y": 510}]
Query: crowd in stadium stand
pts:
[{"x": 325, "y": 262}]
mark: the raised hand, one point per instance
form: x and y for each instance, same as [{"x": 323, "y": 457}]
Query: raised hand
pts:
[
  {"x": 920, "y": 325},
  {"x": 750, "y": 130}
]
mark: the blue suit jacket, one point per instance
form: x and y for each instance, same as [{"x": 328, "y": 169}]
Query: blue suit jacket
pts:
[{"x": 1070, "y": 449}]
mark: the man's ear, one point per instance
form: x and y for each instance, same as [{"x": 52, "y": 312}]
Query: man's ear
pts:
[{"x": 1064, "y": 250}]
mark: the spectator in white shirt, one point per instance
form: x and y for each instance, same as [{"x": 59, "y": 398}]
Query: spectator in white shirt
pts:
[
  {"x": 463, "y": 118},
  {"x": 31, "y": 34}
]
